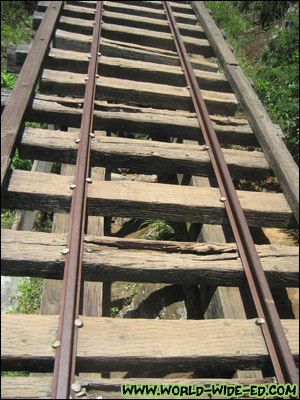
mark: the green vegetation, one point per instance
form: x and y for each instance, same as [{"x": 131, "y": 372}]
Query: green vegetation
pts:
[
  {"x": 16, "y": 22},
  {"x": 18, "y": 163},
  {"x": 158, "y": 230},
  {"x": 125, "y": 302},
  {"x": 29, "y": 298},
  {"x": 141, "y": 136},
  {"x": 274, "y": 69},
  {"x": 15, "y": 373},
  {"x": 7, "y": 218},
  {"x": 8, "y": 80},
  {"x": 43, "y": 222}
]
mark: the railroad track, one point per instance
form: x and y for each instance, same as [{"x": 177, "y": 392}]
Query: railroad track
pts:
[{"x": 147, "y": 84}]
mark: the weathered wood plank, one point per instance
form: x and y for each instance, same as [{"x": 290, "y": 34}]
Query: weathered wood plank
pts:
[
  {"x": 214, "y": 35},
  {"x": 31, "y": 190},
  {"x": 86, "y": 13},
  {"x": 179, "y": 7},
  {"x": 119, "y": 344},
  {"x": 39, "y": 254},
  {"x": 14, "y": 113},
  {"x": 121, "y": 118},
  {"x": 16, "y": 55},
  {"x": 134, "y": 35},
  {"x": 132, "y": 92},
  {"x": 73, "y": 61},
  {"x": 155, "y": 25},
  {"x": 24, "y": 221},
  {"x": 17, "y": 387},
  {"x": 128, "y": 33},
  {"x": 139, "y": 155},
  {"x": 63, "y": 60},
  {"x": 145, "y": 12},
  {"x": 163, "y": 40},
  {"x": 84, "y": 26},
  {"x": 271, "y": 142},
  {"x": 220, "y": 301}
]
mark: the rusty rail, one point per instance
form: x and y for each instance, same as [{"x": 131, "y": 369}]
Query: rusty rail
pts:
[
  {"x": 268, "y": 318},
  {"x": 65, "y": 360}
]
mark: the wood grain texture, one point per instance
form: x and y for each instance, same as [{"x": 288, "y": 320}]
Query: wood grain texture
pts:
[
  {"x": 132, "y": 34},
  {"x": 14, "y": 113},
  {"x": 127, "y": 9},
  {"x": 220, "y": 301},
  {"x": 133, "y": 92},
  {"x": 68, "y": 23},
  {"x": 271, "y": 142},
  {"x": 134, "y": 119},
  {"x": 103, "y": 260},
  {"x": 214, "y": 35},
  {"x": 16, "y": 55},
  {"x": 106, "y": 343},
  {"x": 77, "y": 62},
  {"x": 30, "y": 190},
  {"x": 139, "y": 155}
]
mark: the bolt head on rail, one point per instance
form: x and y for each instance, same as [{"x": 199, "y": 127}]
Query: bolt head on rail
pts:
[
  {"x": 78, "y": 322},
  {"x": 76, "y": 387},
  {"x": 56, "y": 344},
  {"x": 65, "y": 251}
]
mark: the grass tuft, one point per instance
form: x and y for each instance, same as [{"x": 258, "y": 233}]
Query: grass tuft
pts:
[
  {"x": 275, "y": 71},
  {"x": 29, "y": 299}
]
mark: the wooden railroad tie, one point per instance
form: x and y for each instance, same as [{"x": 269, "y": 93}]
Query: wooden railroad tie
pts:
[{"x": 141, "y": 89}]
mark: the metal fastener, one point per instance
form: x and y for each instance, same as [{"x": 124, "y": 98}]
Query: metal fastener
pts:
[
  {"x": 92, "y": 135},
  {"x": 97, "y": 76},
  {"x": 82, "y": 393},
  {"x": 89, "y": 56},
  {"x": 188, "y": 87},
  {"x": 223, "y": 199},
  {"x": 56, "y": 344},
  {"x": 259, "y": 321},
  {"x": 206, "y": 147},
  {"x": 76, "y": 387},
  {"x": 86, "y": 78},
  {"x": 89, "y": 180},
  {"x": 77, "y": 140},
  {"x": 99, "y": 54},
  {"x": 73, "y": 186},
  {"x": 78, "y": 322},
  {"x": 65, "y": 250}
]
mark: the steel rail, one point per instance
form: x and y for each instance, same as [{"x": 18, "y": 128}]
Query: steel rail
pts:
[
  {"x": 64, "y": 369},
  {"x": 268, "y": 318}
]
